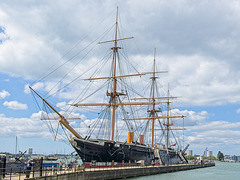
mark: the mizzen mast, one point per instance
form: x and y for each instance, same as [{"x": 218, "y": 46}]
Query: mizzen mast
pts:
[
  {"x": 153, "y": 111},
  {"x": 168, "y": 124}
]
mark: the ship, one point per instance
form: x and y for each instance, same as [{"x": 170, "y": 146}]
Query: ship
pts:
[{"x": 132, "y": 149}]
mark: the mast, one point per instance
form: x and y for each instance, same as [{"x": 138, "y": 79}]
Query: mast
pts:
[
  {"x": 153, "y": 110},
  {"x": 153, "y": 98},
  {"x": 114, "y": 94},
  {"x": 168, "y": 125},
  {"x": 16, "y": 145},
  {"x": 115, "y": 49}
]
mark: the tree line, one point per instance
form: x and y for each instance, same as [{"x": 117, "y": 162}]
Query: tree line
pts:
[{"x": 220, "y": 157}]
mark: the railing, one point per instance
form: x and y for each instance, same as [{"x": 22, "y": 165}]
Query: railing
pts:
[
  {"x": 13, "y": 174},
  {"x": 10, "y": 174}
]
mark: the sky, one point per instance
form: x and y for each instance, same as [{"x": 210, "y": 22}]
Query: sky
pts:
[{"x": 197, "y": 42}]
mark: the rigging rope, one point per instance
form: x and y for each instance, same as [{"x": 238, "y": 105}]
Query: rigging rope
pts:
[{"x": 95, "y": 27}]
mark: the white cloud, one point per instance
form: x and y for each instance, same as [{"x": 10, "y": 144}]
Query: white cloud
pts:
[
  {"x": 2, "y": 115},
  {"x": 61, "y": 105},
  {"x": 37, "y": 86},
  {"x": 26, "y": 89},
  {"x": 216, "y": 135},
  {"x": 191, "y": 118},
  {"x": 32, "y": 127},
  {"x": 50, "y": 87},
  {"x": 238, "y": 111},
  {"x": 202, "y": 81},
  {"x": 201, "y": 133},
  {"x": 202, "y": 71},
  {"x": 216, "y": 125},
  {"x": 4, "y": 94},
  {"x": 15, "y": 105},
  {"x": 22, "y": 127}
]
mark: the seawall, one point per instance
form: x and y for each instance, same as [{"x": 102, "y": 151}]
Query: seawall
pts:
[{"x": 119, "y": 173}]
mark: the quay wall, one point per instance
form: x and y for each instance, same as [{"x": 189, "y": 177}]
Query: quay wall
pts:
[{"x": 122, "y": 173}]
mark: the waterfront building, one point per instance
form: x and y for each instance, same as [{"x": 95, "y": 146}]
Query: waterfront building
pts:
[
  {"x": 190, "y": 152},
  {"x": 30, "y": 151},
  {"x": 205, "y": 153},
  {"x": 234, "y": 158},
  {"x": 209, "y": 153}
]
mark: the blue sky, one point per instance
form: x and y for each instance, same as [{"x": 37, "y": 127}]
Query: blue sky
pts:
[{"x": 197, "y": 42}]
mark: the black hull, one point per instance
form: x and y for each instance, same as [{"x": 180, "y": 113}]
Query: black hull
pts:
[{"x": 107, "y": 151}]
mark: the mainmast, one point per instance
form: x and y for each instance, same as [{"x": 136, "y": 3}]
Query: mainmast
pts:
[
  {"x": 115, "y": 49},
  {"x": 114, "y": 94}
]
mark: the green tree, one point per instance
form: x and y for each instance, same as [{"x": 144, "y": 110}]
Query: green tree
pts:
[
  {"x": 212, "y": 158},
  {"x": 190, "y": 157},
  {"x": 204, "y": 157},
  {"x": 220, "y": 156}
]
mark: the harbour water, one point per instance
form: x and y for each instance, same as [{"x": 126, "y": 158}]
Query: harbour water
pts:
[{"x": 222, "y": 171}]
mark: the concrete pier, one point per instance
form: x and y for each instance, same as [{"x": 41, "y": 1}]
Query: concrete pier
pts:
[{"x": 122, "y": 172}]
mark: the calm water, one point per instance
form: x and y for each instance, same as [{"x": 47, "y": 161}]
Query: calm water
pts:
[{"x": 222, "y": 171}]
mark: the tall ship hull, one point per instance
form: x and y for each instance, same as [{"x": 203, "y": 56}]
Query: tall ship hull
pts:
[{"x": 107, "y": 151}]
